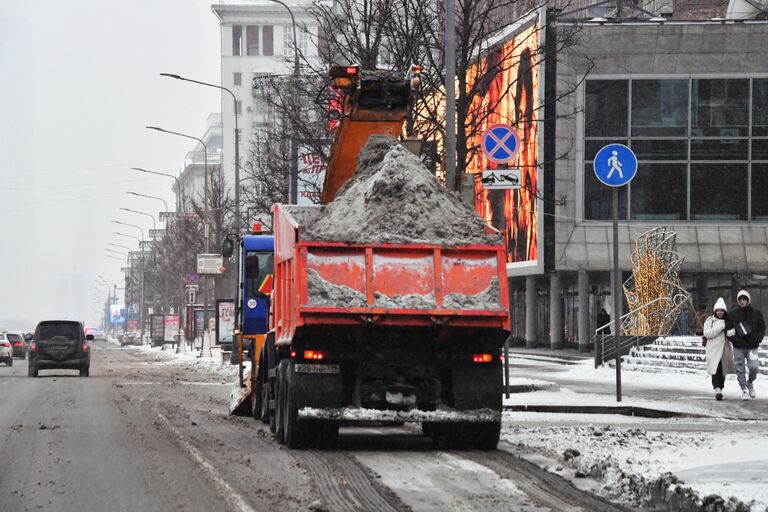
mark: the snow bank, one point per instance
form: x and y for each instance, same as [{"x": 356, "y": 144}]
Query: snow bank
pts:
[{"x": 191, "y": 360}]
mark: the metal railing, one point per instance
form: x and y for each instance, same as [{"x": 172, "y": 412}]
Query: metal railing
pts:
[{"x": 605, "y": 345}]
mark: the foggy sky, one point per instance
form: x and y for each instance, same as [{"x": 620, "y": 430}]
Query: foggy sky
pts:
[{"x": 78, "y": 83}]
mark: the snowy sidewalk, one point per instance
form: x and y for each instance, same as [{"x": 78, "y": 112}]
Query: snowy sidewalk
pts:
[{"x": 581, "y": 386}]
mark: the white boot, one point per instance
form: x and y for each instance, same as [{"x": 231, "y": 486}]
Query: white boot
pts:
[{"x": 745, "y": 394}]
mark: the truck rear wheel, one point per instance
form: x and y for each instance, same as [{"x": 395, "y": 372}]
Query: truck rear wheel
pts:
[
  {"x": 485, "y": 436},
  {"x": 256, "y": 397},
  {"x": 470, "y": 387},
  {"x": 297, "y": 433}
]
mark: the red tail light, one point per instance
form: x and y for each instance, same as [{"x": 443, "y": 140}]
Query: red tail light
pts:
[
  {"x": 33, "y": 346},
  {"x": 85, "y": 346},
  {"x": 315, "y": 355},
  {"x": 5, "y": 344},
  {"x": 482, "y": 358},
  {"x": 18, "y": 344}
]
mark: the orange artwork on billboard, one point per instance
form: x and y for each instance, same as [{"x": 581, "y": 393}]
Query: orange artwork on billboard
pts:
[{"x": 510, "y": 95}]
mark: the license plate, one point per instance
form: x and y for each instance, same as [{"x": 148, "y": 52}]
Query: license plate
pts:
[{"x": 316, "y": 368}]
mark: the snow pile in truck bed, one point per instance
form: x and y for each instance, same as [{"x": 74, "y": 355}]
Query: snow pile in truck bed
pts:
[{"x": 392, "y": 198}]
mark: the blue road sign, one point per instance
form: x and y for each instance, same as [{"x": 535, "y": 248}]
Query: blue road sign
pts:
[
  {"x": 191, "y": 278},
  {"x": 500, "y": 143},
  {"x": 615, "y": 165}
]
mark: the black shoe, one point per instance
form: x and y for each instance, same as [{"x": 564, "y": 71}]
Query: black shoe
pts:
[{"x": 718, "y": 394}]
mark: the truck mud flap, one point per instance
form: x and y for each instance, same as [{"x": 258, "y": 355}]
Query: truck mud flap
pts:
[
  {"x": 353, "y": 414},
  {"x": 315, "y": 389}
]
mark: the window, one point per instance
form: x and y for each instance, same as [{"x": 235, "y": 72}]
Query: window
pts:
[
  {"x": 269, "y": 42},
  {"x": 288, "y": 40},
  {"x": 760, "y": 107},
  {"x": 606, "y": 108},
  {"x": 598, "y": 198},
  {"x": 702, "y": 147},
  {"x": 237, "y": 79},
  {"x": 659, "y": 108},
  {"x": 719, "y": 108},
  {"x": 258, "y": 267},
  {"x": 238, "y": 108},
  {"x": 759, "y": 190},
  {"x": 252, "y": 39},
  {"x": 650, "y": 201},
  {"x": 237, "y": 40},
  {"x": 303, "y": 36},
  {"x": 719, "y": 191}
]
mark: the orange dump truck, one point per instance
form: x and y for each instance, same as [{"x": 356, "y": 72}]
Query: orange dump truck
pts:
[
  {"x": 374, "y": 319},
  {"x": 389, "y": 332}
]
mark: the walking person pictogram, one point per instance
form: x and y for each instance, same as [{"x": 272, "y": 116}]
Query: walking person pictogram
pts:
[{"x": 613, "y": 161}]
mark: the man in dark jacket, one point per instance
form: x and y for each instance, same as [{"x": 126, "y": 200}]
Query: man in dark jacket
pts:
[{"x": 745, "y": 328}]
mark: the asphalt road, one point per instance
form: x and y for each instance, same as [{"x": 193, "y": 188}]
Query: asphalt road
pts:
[{"x": 141, "y": 434}]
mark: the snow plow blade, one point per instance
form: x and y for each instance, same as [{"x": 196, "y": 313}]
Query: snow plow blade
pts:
[
  {"x": 352, "y": 414},
  {"x": 240, "y": 397}
]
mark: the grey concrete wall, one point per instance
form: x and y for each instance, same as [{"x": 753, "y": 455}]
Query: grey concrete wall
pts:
[{"x": 651, "y": 49}]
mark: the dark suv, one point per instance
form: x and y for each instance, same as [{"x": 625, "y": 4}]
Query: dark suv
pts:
[{"x": 60, "y": 344}]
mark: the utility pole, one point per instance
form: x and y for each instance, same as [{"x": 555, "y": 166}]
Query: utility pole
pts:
[{"x": 450, "y": 94}]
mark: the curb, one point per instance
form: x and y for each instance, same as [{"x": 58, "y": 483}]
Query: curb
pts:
[
  {"x": 530, "y": 387},
  {"x": 642, "y": 412}
]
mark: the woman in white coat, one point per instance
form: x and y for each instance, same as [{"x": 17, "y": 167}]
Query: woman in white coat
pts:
[{"x": 719, "y": 350}]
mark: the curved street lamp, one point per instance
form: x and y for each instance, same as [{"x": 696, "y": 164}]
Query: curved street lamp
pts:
[
  {"x": 178, "y": 185},
  {"x": 237, "y": 140},
  {"x": 151, "y": 197},
  {"x": 154, "y": 226},
  {"x": 205, "y": 180},
  {"x": 129, "y": 236},
  {"x": 133, "y": 226}
]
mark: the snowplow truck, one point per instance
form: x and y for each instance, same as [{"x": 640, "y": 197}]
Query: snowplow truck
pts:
[{"x": 369, "y": 323}]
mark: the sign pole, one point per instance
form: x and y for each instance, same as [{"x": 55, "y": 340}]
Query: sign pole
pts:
[
  {"x": 616, "y": 289},
  {"x": 615, "y": 165}
]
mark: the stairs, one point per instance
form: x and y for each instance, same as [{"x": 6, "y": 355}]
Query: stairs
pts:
[{"x": 676, "y": 354}]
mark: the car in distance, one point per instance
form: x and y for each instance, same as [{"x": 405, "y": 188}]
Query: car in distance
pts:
[
  {"x": 6, "y": 352},
  {"x": 97, "y": 334},
  {"x": 60, "y": 344},
  {"x": 18, "y": 345},
  {"x": 130, "y": 338}
]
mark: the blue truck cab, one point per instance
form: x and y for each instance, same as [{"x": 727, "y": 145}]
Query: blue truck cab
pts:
[{"x": 257, "y": 262}]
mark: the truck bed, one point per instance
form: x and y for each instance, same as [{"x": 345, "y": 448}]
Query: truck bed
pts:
[{"x": 384, "y": 284}]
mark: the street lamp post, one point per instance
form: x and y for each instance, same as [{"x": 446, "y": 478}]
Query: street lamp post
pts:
[
  {"x": 115, "y": 245},
  {"x": 178, "y": 185},
  {"x": 154, "y": 225},
  {"x": 131, "y": 225},
  {"x": 237, "y": 170},
  {"x": 237, "y": 141},
  {"x": 206, "y": 227},
  {"x": 141, "y": 311},
  {"x": 152, "y": 197},
  {"x": 129, "y": 236}
]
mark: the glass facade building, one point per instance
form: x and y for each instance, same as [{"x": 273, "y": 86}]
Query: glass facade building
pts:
[{"x": 701, "y": 143}]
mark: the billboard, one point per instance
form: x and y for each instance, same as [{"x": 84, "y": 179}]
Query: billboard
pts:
[
  {"x": 170, "y": 328},
  {"x": 225, "y": 321},
  {"x": 511, "y": 78},
  {"x": 117, "y": 314},
  {"x": 131, "y": 325},
  {"x": 309, "y": 173},
  {"x": 157, "y": 327}
]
